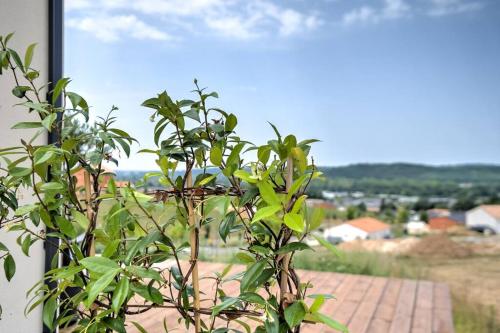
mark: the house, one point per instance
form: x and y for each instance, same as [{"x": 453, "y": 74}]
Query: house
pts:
[
  {"x": 484, "y": 218},
  {"x": 361, "y": 228},
  {"x": 441, "y": 223},
  {"x": 320, "y": 203},
  {"x": 438, "y": 212},
  {"x": 416, "y": 228}
]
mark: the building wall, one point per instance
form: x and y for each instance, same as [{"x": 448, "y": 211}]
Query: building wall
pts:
[
  {"x": 382, "y": 234},
  {"x": 478, "y": 218},
  {"x": 344, "y": 232},
  {"x": 29, "y": 20}
]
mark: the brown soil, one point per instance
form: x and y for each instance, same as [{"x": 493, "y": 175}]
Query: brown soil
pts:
[{"x": 439, "y": 246}]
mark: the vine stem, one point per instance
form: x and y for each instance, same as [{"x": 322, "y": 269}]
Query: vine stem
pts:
[
  {"x": 86, "y": 178},
  {"x": 286, "y": 258},
  {"x": 194, "y": 255}
]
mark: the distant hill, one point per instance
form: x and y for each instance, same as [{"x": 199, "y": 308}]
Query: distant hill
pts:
[
  {"x": 468, "y": 173},
  {"x": 459, "y": 181}
]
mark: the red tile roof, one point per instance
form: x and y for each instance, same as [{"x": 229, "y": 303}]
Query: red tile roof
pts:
[
  {"x": 441, "y": 223},
  {"x": 369, "y": 224},
  {"x": 493, "y": 210}
]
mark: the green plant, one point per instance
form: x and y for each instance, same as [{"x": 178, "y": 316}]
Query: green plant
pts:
[{"x": 260, "y": 200}]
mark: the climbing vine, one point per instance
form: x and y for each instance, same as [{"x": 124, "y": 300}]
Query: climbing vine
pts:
[{"x": 114, "y": 252}]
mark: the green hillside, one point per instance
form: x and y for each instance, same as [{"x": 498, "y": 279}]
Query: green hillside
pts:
[{"x": 472, "y": 173}]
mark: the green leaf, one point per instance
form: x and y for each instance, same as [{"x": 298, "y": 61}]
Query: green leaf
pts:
[
  {"x": 120, "y": 293},
  {"x": 101, "y": 283},
  {"x": 115, "y": 324},
  {"x": 193, "y": 114},
  {"x": 48, "y": 121},
  {"x": 145, "y": 273},
  {"x": 9, "y": 267},
  {"x": 231, "y": 122},
  {"x": 276, "y": 131},
  {"x": 294, "y": 314},
  {"x": 49, "y": 311},
  {"x": 29, "y": 55},
  {"x": 147, "y": 292},
  {"x": 25, "y": 209},
  {"x": 263, "y": 154},
  {"x": 111, "y": 248},
  {"x": 251, "y": 275},
  {"x": 139, "y": 327},
  {"x": 294, "y": 221},
  {"x": 66, "y": 227},
  {"x": 60, "y": 86},
  {"x": 244, "y": 258},
  {"x": 25, "y": 247},
  {"x": 51, "y": 186},
  {"x": 316, "y": 218},
  {"x": 318, "y": 302},
  {"x": 80, "y": 218},
  {"x": 27, "y": 124},
  {"x": 327, "y": 245},
  {"x": 252, "y": 298},
  {"x": 45, "y": 157},
  {"x": 234, "y": 157},
  {"x": 207, "y": 180},
  {"x": 227, "y": 303},
  {"x": 216, "y": 155},
  {"x": 20, "y": 91},
  {"x": 3, "y": 247},
  {"x": 242, "y": 174},
  {"x": 99, "y": 264},
  {"x": 265, "y": 212},
  {"x": 140, "y": 244},
  {"x": 298, "y": 203},
  {"x": 330, "y": 322},
  {"x": 17, "y": 60},
  {"x": 267, "y": 193},
  {"x": 294, "y": 246},
  {"x": 226, "y": 225}
]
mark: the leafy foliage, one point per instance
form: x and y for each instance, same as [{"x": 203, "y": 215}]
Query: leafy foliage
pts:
[{"x": 260, "y": 200}]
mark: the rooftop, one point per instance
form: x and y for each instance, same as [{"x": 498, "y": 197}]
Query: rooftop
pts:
[
  {"x": 493, "y": 210},
  {"x": 369, "y": 224}
]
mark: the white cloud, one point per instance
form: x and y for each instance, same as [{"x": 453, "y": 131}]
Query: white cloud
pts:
[
  {"x": 112, "y": 28},
  {"x": 450, "y": 7},
  {"x": 391, "y": 9},
  {"x": 238, "y": 19}
]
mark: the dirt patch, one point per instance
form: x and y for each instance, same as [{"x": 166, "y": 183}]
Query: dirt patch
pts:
[
  {"x": 439, "y": 246},
  {"x": 393, "y": 246}
]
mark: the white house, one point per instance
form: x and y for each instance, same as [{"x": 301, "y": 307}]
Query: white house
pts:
[
  {"x": 362, "y": 228},
  {"x": 485, "y": 218},
  {"x": 416, "y": 228}
]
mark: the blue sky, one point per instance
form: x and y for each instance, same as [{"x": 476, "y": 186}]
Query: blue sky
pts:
[{"x": 374, "y": 80}]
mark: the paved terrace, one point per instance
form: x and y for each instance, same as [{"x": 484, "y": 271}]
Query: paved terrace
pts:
[{"x": 365, "y": 304}]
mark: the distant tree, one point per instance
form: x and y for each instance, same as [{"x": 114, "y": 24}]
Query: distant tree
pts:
[
  {"x": 362, "y": 207},
  {"x": 352, "y": 212},
  {"x": 424, "y": 216},
  {"x": 422, "y": 204},
  {"x": 492, "y": 200},
  {"x": 402, "y": 215},
  {"x": 464, "y": 203}
]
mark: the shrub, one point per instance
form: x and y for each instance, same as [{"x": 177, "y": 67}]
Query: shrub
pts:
[{"x": 261, "y": 200}]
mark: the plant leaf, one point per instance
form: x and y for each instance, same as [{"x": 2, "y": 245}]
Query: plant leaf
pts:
[
  {"x": 99, "y": 264},
  {"x": 9, "y": 267},
  {"x": 294, "y": 221},
  {"x": 265, "y": 212},
  {"x": 120, "y": 293},
  {"x": 294, "y": 314}
]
